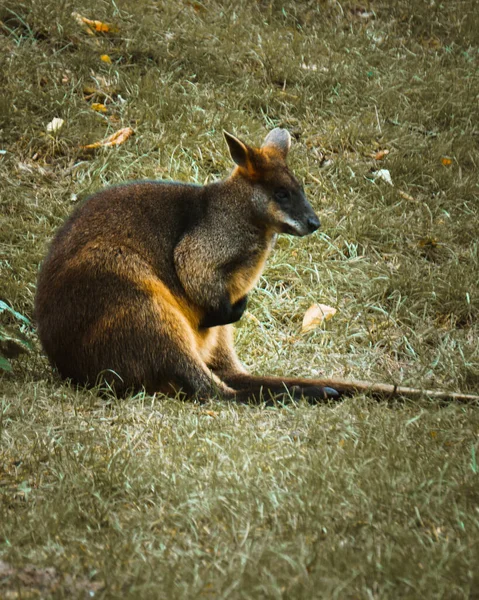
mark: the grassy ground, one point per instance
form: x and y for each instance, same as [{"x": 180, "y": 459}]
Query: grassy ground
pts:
[{"x": 153, "y": 498}]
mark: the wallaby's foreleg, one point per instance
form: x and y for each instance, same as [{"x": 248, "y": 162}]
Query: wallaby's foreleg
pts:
[{"x": 223, "y": 359}]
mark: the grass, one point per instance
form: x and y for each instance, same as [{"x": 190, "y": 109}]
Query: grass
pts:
[{"x": 152, "y": 497}]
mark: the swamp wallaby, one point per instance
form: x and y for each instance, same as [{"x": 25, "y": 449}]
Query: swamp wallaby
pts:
[{"x": 142, "y": 282}]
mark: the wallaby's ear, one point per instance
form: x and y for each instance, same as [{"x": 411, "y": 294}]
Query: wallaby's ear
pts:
[
  {"x": 279, "y": 139},
  {"x": 239, "y": 151}
]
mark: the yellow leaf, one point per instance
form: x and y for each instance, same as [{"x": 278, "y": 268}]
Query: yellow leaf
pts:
[
  {"x": 99, "y": 26},
  {"x": 105, "y": 58},
  {"x": 115, "y": 139},
  {"x": 211, "y": 413},
  {"x": 446, "y": 161},
  {"x": 99, "y": 107},
  {"x": 380, "y": 154},
  {"x": 315, "y": 315},
  {"x": 90, "y": 25}
]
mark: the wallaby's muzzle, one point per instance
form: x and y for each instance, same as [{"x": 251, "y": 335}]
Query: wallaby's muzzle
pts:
[
  {"x": 300, "y": 218},
  {"x": 313, "y": 224},
  {"x": 300, "y": 229}
]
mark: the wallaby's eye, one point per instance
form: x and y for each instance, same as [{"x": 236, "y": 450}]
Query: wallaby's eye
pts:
[{"x": 282, "y": 195}]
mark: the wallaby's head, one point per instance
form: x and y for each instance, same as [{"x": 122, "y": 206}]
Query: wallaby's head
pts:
[{"x": 277, "y": 197}]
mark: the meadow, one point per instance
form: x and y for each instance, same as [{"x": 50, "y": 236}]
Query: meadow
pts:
[{"x": 154, "y": 497}]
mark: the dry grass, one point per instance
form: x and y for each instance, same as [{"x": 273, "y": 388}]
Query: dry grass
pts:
[{"x": 154, "y": 498}]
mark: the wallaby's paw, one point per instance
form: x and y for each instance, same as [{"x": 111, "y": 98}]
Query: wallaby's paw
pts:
[
  {"x": 238, "y": 309},
  {"x": 226, "y": 313},
  {"x": 316, "y": 392}
]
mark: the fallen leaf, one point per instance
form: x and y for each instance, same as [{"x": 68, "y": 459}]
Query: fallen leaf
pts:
[
  {"x": 100, "y": 27},
  {"x": 361, "y": 13},
  {"x": 380, "y": 154},
  {"x": 327, "y": 162},
  {"x": 315, "y": 315},
  {"x": 446, "y": 161},
  {"x": 197, "y": 6},
  {"x": 99, "y": 107},
  {"x": 115, "y": 139},
  {"x": 79, "y": 19},
  {"x": 311, "y": 67},
  {"x": 91, "y": 26},
  {"x": 383, "y": 174},
  {"x": 55, "y": 125},
  {"x": 211, "y": 413},
  {"x": 406, "y": 196}
]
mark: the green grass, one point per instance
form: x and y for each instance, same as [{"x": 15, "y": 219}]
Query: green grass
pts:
[{"x": 152, "y": 497}]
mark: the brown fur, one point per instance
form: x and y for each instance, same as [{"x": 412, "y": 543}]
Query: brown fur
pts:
[{"x": 135, "y": 271}]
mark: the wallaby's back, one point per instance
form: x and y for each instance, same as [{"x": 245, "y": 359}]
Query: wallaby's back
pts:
[{"x": 95, "y": 277}]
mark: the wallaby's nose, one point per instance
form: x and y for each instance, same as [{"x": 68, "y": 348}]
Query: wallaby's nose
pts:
[{"x": 313, "y": 223}]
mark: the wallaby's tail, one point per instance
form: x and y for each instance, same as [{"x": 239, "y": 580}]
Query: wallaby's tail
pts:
[
  {"x": 331, "y": 389},
  {"x": 383, "y": 390}
]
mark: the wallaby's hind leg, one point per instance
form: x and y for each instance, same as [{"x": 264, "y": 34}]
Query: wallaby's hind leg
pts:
[
  {"x": 176, "y": 360},
  {"x": 148, "y": 343},
  {"x": 190, "y": 375}
]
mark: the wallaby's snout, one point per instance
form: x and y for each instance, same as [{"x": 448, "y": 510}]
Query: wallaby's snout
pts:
[
  {"x": 300, "y": 222},
  {"x": 312, "y": 220},
  {"x": 313, "y": 223},
  {"x": 299, "y": 217}
]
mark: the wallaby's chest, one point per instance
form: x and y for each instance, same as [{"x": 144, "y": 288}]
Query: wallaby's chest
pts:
[{"x": 246, "y": 275}]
